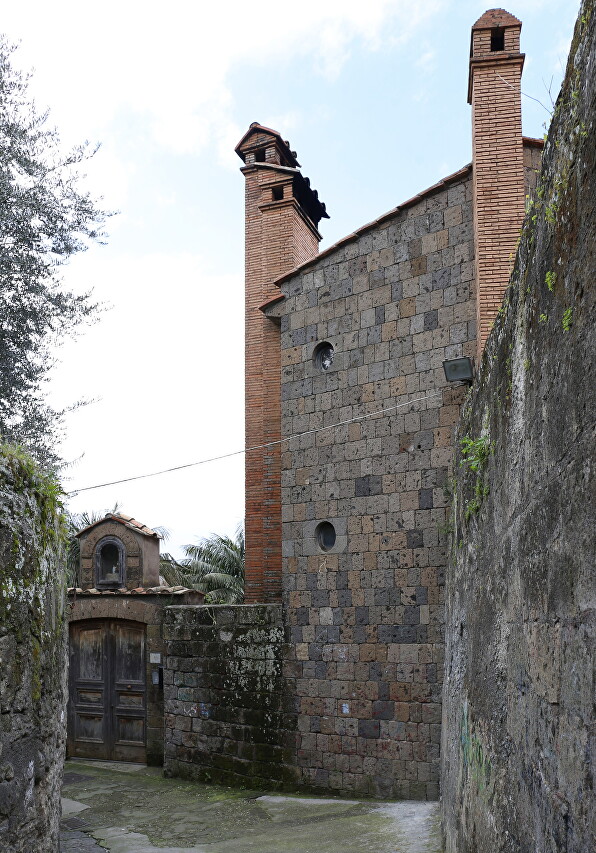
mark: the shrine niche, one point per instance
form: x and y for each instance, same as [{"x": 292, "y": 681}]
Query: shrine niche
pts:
[
  {"x": 116, "y": 612},
  {"x": 119, "y": 552}
]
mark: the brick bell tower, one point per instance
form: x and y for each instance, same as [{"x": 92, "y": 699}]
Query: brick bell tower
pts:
[
  {"x": 494, "y": 91},
  {"x": 281, "y": 217}
]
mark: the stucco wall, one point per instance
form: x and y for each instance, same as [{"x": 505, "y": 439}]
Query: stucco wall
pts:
[
  {"x": 518, "y": 722},
  {"x": 32, "y": 658}
]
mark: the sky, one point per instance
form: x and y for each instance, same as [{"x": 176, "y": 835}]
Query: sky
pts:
[{"x": 372, "y": 96}]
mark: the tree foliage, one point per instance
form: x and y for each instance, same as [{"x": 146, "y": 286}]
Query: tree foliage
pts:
[
  {"x": 45, "y": 219},
  {"x": 215, "y": 566}
]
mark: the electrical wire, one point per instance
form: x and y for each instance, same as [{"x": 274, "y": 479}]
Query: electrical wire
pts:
[{"x": 258, "y": 446}]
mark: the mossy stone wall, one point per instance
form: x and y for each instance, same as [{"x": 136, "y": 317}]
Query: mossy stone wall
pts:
[
  {"x": 226, "y": 717},
  {"x": 32, "y": 656},
  {"x": 518, "y": 702}
]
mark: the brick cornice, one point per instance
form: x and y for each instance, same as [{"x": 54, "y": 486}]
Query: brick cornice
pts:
[
  {"x": 493, "y": 60},
  {"x": 291, "y": 202},
  {"x": 274, "y": 167}
]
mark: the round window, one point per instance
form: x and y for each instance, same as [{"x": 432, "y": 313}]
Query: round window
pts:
[
  {"x": 325, "y": 535},
  {"x": 323, "y": 355}
]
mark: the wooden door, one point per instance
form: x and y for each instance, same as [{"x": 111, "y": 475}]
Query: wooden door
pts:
[{"x": 107, "y": 716}]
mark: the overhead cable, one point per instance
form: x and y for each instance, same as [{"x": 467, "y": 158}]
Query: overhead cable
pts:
[{"x": 258, "y": 446}]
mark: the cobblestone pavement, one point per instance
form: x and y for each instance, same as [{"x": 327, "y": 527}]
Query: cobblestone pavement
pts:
[{"x": 126, "y": 808}]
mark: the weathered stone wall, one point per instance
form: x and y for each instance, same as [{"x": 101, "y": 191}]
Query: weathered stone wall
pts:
[
  {"x": 365, "y": 615},
  {"x": 133, "y": 544},
  {"x": 225, "y": 719},
  {"x": 32, "y": 658},
  {"x": 518, "y": 723}
]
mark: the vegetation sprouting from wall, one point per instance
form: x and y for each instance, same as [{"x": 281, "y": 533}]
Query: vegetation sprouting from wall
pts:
[
  {"x": 517, "y": 775},
  {"x": 32, "y": 654}
]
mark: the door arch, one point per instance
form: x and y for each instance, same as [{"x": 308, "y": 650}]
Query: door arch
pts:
[{"x": 107, "y": 690}]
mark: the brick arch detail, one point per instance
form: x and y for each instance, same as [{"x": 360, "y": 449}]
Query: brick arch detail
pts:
[
  {"x": 113, "y": 607},
  {"x": 126, "y": 537},
  {"x": 132, "y": 548}
]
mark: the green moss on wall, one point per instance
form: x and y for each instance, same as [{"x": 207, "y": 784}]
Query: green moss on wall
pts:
[{"x": 32, "y": 651}]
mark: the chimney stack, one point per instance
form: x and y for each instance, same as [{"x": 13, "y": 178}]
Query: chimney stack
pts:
[
  {"x": 494, "y": 91},
  {"x": 281, "y": 218}
]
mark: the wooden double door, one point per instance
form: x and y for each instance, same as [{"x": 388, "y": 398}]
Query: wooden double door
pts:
[{"x": 107, "y": 691}]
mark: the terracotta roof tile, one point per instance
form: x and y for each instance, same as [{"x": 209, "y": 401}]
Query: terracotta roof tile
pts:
[
  {"x": 496, "y": 18},
  {"x": 450, "y": 179},
  {"x": 154, "y": 590},
  {"x": 255, "y": 127},
  {"x": 126, "y": 520},
  {"x": 270, "y": 302},
  {"x": 532, "y": 142}
]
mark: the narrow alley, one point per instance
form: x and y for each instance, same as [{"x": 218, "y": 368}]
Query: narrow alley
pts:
[{"x": 130, "y": 808}]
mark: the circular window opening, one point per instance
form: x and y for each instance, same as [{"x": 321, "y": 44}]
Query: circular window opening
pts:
[
  {"x": 325, "y": 535},
  {"x": 323, "y": 355}
]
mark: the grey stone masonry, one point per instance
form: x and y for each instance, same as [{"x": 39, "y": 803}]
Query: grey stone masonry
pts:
[
  {"x": 33, "y": 657},
  {"x": 225, "y": 718},
  {"x": 365, "y": 615}
]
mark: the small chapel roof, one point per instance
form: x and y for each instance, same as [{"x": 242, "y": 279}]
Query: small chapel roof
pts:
[
  {"x": 126, "y": 520},
  {"x": 284, "y": 145},
  {"x": 494, "y": 18},
  {"x": 191, "y": 596}
]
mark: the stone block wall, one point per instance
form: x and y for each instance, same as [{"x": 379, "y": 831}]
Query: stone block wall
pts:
[
  {"x": 366, "y": 615},
  {"x": 225, "y": 715},
  {"x": 518, "y": 723},
  {"x": 32, "y": 657}
]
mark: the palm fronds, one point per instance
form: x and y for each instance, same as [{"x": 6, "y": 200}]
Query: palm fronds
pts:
[{"x": 215, "y": 566}]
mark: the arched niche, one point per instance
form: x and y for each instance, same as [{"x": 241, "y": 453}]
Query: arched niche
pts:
[{"x": 109, "y": 561}]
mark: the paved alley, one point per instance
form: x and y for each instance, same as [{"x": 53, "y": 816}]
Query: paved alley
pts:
[{"x": 128, "y": 808}]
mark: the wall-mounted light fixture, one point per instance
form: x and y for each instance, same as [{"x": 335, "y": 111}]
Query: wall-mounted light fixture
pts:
[{"x": 459, "y": 370}]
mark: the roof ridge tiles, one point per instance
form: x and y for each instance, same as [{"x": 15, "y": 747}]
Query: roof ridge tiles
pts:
[{"x": 369, "y": 225}]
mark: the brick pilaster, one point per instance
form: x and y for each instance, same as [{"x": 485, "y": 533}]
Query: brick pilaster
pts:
[
  {"x": 498, "y": 159},
  {"x": 280, "y": 227}
]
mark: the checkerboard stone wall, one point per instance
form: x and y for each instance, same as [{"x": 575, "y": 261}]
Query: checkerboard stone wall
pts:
[
  {"x": 341, "y": 688},
  {"x": 366, "y": 617}
]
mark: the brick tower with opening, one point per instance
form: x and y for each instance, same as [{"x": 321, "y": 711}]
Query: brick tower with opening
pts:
[
  {"x": 282, "y": 214},
  {"x": 494, "y": 91}
]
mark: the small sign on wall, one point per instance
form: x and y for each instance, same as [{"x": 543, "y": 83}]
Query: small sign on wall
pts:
[{"x": 154, "y": 657}]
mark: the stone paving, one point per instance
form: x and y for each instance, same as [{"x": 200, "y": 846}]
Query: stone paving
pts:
[{"x": 127, "y": 808}]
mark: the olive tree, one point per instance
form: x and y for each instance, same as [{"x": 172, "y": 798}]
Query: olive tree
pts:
[{"x": 45, "y": 218}]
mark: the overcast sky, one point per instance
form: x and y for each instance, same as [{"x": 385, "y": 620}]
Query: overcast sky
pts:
[{"x": 371, "y": 95}]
